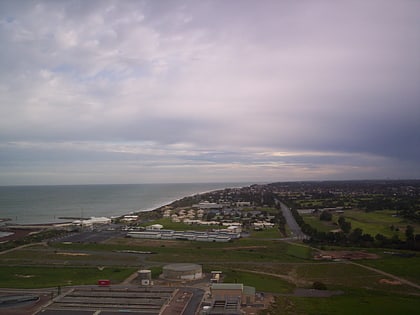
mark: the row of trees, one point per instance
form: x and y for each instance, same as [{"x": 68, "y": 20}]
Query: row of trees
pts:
[
  {"x": 406, "y": 207},
  {"x": 281, "y": 220}
]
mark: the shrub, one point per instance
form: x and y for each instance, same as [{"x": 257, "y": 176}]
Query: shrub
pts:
[{"x": 317, "y": 285}]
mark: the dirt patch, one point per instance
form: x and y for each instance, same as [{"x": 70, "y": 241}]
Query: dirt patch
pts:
[
  {"x": 246, "y": 247},
  {"x": 16, "y": 234},
  {"x": 24, "y": 276},
  {"x": 73, "y": 254},
  {"x": 344, "y": 254},
  {"x": 144, "y": 242},
  {"x": 391, "y": 282},
  {"x": 315, "y": 293}
]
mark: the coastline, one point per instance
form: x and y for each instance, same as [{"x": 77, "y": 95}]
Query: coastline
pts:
[
  {"x": 28, "y": 205},
  {"x": 7, "y": 223},
  {"x": 15, "y": 231}
]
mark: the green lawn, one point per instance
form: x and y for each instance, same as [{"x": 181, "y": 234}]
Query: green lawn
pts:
[{"x": 41, "y": 277}]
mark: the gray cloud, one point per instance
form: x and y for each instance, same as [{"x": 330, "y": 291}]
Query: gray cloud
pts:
[{"x": 219, "y": 87}]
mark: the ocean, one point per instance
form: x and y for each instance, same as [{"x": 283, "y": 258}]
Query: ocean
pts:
[{"x": 46, "y": 204}]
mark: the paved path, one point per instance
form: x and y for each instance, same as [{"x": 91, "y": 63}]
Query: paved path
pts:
[
  {"x": 22, "y": 246},
  {"x": 130, "y": 278}
]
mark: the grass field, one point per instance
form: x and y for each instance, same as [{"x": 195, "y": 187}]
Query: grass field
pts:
[
  {"x": 257, "y": 250},
  {"x": 376, "y": 222},
  {"x": 260, "y": 282},
  {"x": 408, "y": 268},
  {"x": 65, "y": 255},
  {"x": 299, "y": 251},
  {"x": 357, "y": 302},
  {"x": 347, "y": 276},
  {"x": 315, "y": 222},
  {"x": 29, "y": 277},
  {"x": 268, "y": 265},
  {"x": 267, "y": 233}
]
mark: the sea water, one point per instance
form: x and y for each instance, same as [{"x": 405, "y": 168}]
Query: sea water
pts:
[{"x": 47, "y": 204}]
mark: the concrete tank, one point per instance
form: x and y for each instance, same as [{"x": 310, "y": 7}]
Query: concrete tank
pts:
[
  {"x": 183, "y": 271},
  {"x": 145, "y": 277}
]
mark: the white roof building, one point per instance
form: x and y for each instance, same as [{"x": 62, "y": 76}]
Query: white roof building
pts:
[
  {"x": 154, "y": 227},
  {"x": 93, "y": 220}
]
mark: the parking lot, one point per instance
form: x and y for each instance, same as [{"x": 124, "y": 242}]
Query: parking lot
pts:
[{"x": 95, "y": 236}]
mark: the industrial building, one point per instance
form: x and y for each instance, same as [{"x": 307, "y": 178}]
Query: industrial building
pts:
[
  {"x": 208, "y": 205},
  {"x": 215, "y": 236},
  {"x": 228, "y": 298}
]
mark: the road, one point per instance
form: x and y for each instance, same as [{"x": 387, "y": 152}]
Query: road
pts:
[{"x": 291, "y": 222}]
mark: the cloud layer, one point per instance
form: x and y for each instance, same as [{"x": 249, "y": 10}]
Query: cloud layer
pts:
[{"x": 185, "y": 91}]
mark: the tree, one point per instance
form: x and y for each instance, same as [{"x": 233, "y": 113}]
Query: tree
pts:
[
  {"x": 325, "y": 216},
  {"x": 381, "y": 239},
  {"x": 356, "y": 235},
  {"x": 344, "y": 225},
  {"x": 409, "y": 233},
  {"x": 317, "y": 285}
]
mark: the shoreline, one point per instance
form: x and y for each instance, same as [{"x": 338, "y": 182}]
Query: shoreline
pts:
[
  {"x": 7, "y": 224},
  {"x": 18, "y": 231}
]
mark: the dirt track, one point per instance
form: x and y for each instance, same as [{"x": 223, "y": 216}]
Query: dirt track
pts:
[{"x": 404, "y": 281}]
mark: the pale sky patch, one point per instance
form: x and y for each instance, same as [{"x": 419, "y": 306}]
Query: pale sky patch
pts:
[{"x": 184, "y": 91}]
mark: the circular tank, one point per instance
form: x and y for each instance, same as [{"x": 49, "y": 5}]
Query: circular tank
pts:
[{"x": 183, "y": 271}]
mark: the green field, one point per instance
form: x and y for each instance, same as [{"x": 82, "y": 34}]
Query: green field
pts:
[
  {"x": 315, "y": 222},
  {"x": 260, "y": 282},
  {"x": 250, "y": 250},
  {"x": 375, "y": 222},
  {"x": 299, "y": 251},
  {"x": 406, "y": 267},
  {"x": 267, "y": 233},
  {"x": 29, "y": 277},
  {"x": 357, "y": 302},
  {"x": 66, "y": 255}
]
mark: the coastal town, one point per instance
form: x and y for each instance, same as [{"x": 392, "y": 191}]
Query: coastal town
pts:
[{"x": 189, "y": 254}]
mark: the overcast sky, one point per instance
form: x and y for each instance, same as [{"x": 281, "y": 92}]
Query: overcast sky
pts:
[{"x": 208, "y": 91}]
